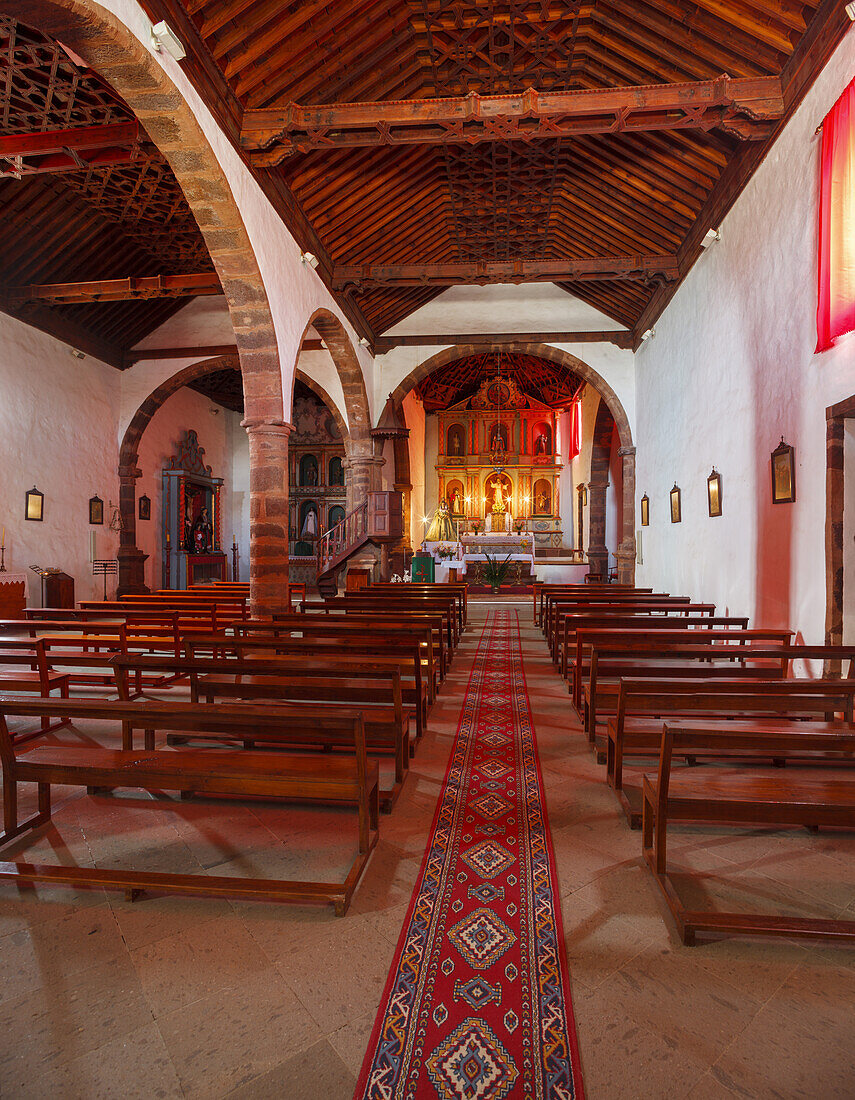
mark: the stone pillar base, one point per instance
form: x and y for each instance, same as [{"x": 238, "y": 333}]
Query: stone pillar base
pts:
[{"x": 132, "y": 572}]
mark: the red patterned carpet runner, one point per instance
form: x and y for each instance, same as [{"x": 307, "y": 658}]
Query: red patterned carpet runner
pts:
[{"x": 477, "y": 1005}]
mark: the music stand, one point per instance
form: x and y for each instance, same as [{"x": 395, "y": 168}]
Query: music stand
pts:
[{"x": 105, "y": 568}]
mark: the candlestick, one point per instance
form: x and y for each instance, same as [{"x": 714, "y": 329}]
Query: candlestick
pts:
[{"x": 3, "y": 554}]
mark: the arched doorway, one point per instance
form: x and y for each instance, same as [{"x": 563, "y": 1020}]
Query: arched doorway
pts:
[
  {"x": 110, "y": 49},
  {"x": 610, "y": 403}
]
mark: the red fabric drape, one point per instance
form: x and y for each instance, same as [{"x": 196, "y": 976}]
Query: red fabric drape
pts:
[
  {"x": 835, "y": 312},
  {"x": 575, "y": 430}
]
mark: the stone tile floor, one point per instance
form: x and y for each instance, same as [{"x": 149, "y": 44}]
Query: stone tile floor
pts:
[{"x": 170, "y": 997}]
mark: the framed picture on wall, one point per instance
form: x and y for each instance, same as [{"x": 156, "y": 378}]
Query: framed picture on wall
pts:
[
  {"x": 35, "y": 507},
  {"x": 145, "y": 507},
  {"x": 96, "y": 510},
  {"x": 714, "y": 492},
  {"x": 676, "y": 513},
  {"x": 645, "y": 511},
  {"x": 783, "y": 474}
]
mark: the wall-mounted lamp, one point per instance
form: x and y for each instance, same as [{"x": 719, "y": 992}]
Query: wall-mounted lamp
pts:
[
  {"x": 163, "y": 37},
  {"x": 645, "y": 511},
  {"x": 646, "y": 335},
  {"x": 710, "y": 237},
  {"x": 364, "y": 341},
  {"x": 309, "y": 258},
  {"x": 850, "y": 11}
]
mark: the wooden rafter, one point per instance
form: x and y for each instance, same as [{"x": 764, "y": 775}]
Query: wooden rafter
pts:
[
  {"x": 117, "y": 290},
  {"x": 739, "y": 107},
  {"x": 368, "y": 276}
]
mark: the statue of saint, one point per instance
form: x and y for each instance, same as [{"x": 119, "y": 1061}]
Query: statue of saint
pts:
[
  {"x": 499, "y": 503},
  {"x": 457, "y": 503},
  {"x": 499, "y": 442},
  {"x": 310, "y": 525},
  {"x": 441, "y": 527},
  {"x": 202, "y": 533},
  {"x": 541, "y": 446}
]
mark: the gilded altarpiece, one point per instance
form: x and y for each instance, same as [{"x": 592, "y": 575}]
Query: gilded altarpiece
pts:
[
  {"x": 498, "y": 447},
  {"x": 192, "y": 518}
]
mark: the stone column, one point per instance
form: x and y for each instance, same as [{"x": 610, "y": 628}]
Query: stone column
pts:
[
  {"x": 626, "y": 549},
  {"x": 131, "y": 559},
  {"x": 363, "y": 477},
  {"x": 598, "y": 554},
  {"x": 268, "y": 514}
]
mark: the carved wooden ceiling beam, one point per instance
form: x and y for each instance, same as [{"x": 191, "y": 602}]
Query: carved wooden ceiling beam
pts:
[
  {"x": 744, "y": 108},
  {"x": 622, "y": 338},
  {"x": 69, "y": 150},
  {"x": 361, "y": 277},
  {"x": 117, "y": 290}
]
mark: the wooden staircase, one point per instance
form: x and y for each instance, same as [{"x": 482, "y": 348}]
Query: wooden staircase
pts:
[{"x": 379, "y": 519}]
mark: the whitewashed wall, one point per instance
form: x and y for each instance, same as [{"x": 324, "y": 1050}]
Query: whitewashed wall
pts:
[
  {"x": 57, "y": 431},
  {"x": 730, "y": 370}
]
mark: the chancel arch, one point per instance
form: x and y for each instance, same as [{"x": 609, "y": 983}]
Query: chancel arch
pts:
[{"x": 514, "y": 431}]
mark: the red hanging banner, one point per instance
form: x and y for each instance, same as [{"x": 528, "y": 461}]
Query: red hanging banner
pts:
[{"x": 835, "y": 312}]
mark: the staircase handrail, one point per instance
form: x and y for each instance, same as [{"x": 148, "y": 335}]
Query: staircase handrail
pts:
[{"x": 339, "y": 541}]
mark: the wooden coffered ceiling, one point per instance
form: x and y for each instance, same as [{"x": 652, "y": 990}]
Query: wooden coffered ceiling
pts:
[
  {"x": 590, "y": 142},
  {"x": 411, "y": 145},
  {"x": 549, "y": 382},
  {"x": 96, "y": 203}
]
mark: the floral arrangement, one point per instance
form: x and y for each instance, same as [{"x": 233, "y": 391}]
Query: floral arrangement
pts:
[
  {"x": 444, "y": 550},
  {"x": 476, "y": 526}
]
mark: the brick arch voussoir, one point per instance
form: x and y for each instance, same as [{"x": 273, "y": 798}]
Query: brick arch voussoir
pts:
[
  {"x": 111, "y": 50},
  {"x": 356, "y": 407}
]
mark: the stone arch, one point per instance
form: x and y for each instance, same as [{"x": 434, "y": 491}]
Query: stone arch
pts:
[
  {"x": 319, "y": 391},
  {"x": 109, "y": 47},
  {"x": 543, "y": 351},
  {"x": 609, "y": 400},
  {"x": 361, "y": 461},
  {"x": 356, "y": 407},
  {"x": 131, "y": 558}
]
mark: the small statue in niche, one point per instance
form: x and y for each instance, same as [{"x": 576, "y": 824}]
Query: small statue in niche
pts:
[
  {"x": 455, "y": 443},
  {"x": 187, "y": 538},
  {"x": 457, "y": 503},
  {"x": 543, "y": 502},
  {"x": 310, "y": 525},
  {"x": 202, "y": 533},
  {"x": 541, "y": 445},
  {"x": 499, "y": 442}
]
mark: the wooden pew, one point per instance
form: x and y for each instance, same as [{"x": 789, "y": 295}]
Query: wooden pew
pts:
[
  {"x": 377, "y": 691},
  {"x": 440, "y": 588},
  {"x": 661, "y": 625},
  {"x": 445, "y": 605},
  {"x": 631, "y": 647},
  {"x": 428, "y": 629},
  {"x": 813, "y": 798},
  {"x": 33, "y": 675},
  {"x": 654, "y": 607},
  {"x": 635, "y": 731},
  {"x": 317, "y": 651},
  {"x": 235, "y": 775},
  {"x": 672, "y": 660},
  {"x": 543, "y": 590}
]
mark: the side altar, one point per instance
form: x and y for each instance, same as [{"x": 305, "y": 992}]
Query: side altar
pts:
[{"x": 192, "y": 518}]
